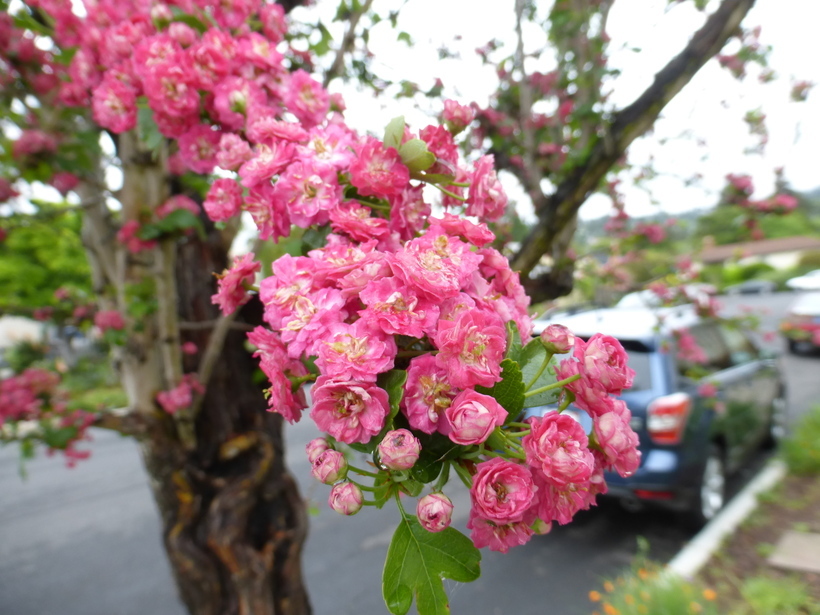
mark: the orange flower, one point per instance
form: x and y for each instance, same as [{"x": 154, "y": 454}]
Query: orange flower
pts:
[
  {"x": 709, "y": 594},
  {"x": 610, "y": 610},
  {"x": 594, "y": 596},
  {"x": 608, "y": 586}
]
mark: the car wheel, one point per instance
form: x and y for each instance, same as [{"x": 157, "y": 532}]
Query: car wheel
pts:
[
  {"x": 711, "y": 491},
  {"x": 794, "y": 347},
  {"x": 778, "y": 421}
]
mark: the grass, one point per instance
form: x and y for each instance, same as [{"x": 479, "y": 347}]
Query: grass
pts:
[{"x": 738, "y": 581}]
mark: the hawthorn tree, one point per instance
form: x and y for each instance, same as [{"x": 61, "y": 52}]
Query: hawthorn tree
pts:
[{"x": 168, "y": 92}]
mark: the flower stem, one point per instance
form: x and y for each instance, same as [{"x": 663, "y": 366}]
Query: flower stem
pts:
[
  {"x": 552, "y": 386},
  {"x": 361, "y": 486},
  {"x": 547, "y": 357},
  {"x": 362, "y": 472}
]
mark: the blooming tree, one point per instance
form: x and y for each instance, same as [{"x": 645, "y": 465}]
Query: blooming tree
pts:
[{"x": 411, "y": 329}]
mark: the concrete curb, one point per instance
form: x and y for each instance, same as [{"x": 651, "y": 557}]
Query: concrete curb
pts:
[{"x": 698, "y": 551}]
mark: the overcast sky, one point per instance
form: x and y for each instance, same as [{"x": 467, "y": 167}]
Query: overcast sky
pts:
[{"x": 710, "y": 108}]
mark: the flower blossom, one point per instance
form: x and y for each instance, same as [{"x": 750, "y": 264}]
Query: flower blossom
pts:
[{"x": 232, "y": 292}]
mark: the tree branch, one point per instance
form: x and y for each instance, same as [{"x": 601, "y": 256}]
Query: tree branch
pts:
[
  {"x": 348, "y": 41},
  {"x": 626, "y": 125}
]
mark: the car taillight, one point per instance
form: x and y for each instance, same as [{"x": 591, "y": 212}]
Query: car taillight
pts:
[{"x": 666, "y": 418}]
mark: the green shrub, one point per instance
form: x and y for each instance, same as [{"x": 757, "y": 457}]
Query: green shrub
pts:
[
  {"x": 24, "y": 354},
  {"x": 801, "y": 450},
  {"x": 767, "y": 596}
]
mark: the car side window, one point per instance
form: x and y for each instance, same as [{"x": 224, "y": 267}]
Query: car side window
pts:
[
  {"x": 741, "y": 349},
  {"x": 714, "y": 355}
]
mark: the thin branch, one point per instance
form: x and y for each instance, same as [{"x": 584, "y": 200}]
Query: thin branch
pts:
[
  {"x": 211, "y": 355},
  {"x": 348, "y": 42},
  {"x": 626, "y": 125}
]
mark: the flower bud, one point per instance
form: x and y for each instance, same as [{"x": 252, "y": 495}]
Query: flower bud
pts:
[
  {"x": 399, "y": 450},
  {"x": 316, "y": 447},
  {"x": 329, "y": 467},
  {"x": 557, "y": 339},
  {"x": 345, "y": 498},
  {"x": 435, "y": 512}
]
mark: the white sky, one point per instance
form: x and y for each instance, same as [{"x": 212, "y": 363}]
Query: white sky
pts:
[{"x": 711, "y": 107}]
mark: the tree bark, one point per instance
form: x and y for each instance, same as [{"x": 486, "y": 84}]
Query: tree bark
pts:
[{"x": 233, "y": 520}]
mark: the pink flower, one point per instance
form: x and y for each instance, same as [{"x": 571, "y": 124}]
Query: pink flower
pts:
[
  {"x": 349, "y": 410},
  {"x": 233, "y": 151},
  {"x": 316, "y": 447},
  {"x": 434, "y": 511},
  {"x": 399, "y": 450},
  {"x": 345, "y": 498},
  {"x": 487, "y": 533},
  {"x": 279, "y": 367},
  {"x": 171, "y": 89},
  {"x": 329, "y": 466},
  {"x": 309, "y": 190},
  {"x": 109, "y": 319},
  {"x": 502, "y": 491},
  {"x": 688, "y": 349},
  {"x": 308, "y": 322},
  {"x": 357, "y": 222},
  {"x": 436, "y": 265},
  {"x": 198, "y": 148},
  {"x": 605, "y": 361},
  {"x": 377, "y": 170},
  {"x": 266, "y": 162},
  {"x": 707, "y": 389},
  {"x": 560, "y": 503},
  {"x": 233, "y": 96},
  {"x": 456, "y": 226},
  {"x": 269, "y": 213},
  {"x": 306, "y": 99},
  {"x": 557, "y": 446},
  {"x": 471, "y": 348},
  {"x": 189, "y": 348},
  {"x": 354, "y": 352},
  {"x": 408, "y": 212},
  {"x": 396, "y": 309},
  {"x": 557, "y": 339},
  {"x": 64, "y": 182},
  {"x": 181, "y": 396},
  {"x": 427, "y": 394},
  {"x": 224, "y": 199},
  {"x": 618, "y": 442},
  {"x": 232, "y": 293},
  {"x": 472, "y": 417},
  {"x": 178, "y": 201},
  {"x": 457, "y": 117},
  {"x": 129, "y": 236},
  {"x": 114, "y": 106},
  {"x": 486, "y": 198}
]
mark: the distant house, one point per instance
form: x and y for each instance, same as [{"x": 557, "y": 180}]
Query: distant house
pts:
[{"x": 781, "y": 253}]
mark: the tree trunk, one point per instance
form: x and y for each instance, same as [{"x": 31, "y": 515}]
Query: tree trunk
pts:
[{"x": 233, "y": 520}]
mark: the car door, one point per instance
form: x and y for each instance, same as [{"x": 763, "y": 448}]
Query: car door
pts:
[
  {"x": 733, "y": 407},
  {"x": 763, "y": 379}
]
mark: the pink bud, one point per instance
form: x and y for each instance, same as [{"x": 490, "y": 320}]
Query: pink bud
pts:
[
  {"x": 399, "y": 450},
  {"x": 316, "y": 447},
  {"x": 557, "y": 339},
  {"x": 434, "y": 512},
  {"x": 329, "y": 467},
  {"x": 345, "y": 498}
]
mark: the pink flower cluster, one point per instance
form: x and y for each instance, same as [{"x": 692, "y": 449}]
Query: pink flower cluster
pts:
[{"x": 33, "y": 398}]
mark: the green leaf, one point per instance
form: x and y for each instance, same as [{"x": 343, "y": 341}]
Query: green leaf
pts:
[
  {"x": 147, "y": 128},
  {"x": 404, "y": 36},
  {"x": 192, "y": 21},
  {"x": 314, "y": 238},
  {"x": 415, "y": 155},
  {"x": 59, "y": 437},
  {"x": 438, "y": 178},
  {"x": 532, "y": 358},
  {"x": 418, "y": 560},
  {"x": 394, "y": 132},
  {"x": 510, "y": 391},
  {"x": 393, "y": 382},
  {"x": 514, "y": 345}
]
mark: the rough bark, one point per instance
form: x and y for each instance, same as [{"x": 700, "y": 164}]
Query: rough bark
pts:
[
  {"x": 561, "y": 208},
  {"x": 233, "y": 520}
]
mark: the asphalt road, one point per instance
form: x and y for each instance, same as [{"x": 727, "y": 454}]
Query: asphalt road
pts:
[{"x": 86, "y": 541}]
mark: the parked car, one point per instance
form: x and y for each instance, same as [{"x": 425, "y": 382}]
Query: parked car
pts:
[
  {"x": 801, "y": 326},
  {"x": 697, "y": 423},
  {"x": 807, "y": 281},
  {"x": 751, "y": 287}
]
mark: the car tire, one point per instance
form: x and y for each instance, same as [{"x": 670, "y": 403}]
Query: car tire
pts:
[
  {"x": 794, "y": 347},
  {"x": 710, "y": 496}
]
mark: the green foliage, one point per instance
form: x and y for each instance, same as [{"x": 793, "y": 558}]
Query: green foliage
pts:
[
  {"x": 41, "y": 253},
  {"x": 785, "y": 596},
  {"x": 24, "y": 354},
  {"x": 801, "y": 450},
  {"x": 648, "y": 588},
  {"x": 509, "y": 392},
  {"x": 418, "y": 560},
  {"x": 532, "y": 358}
]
